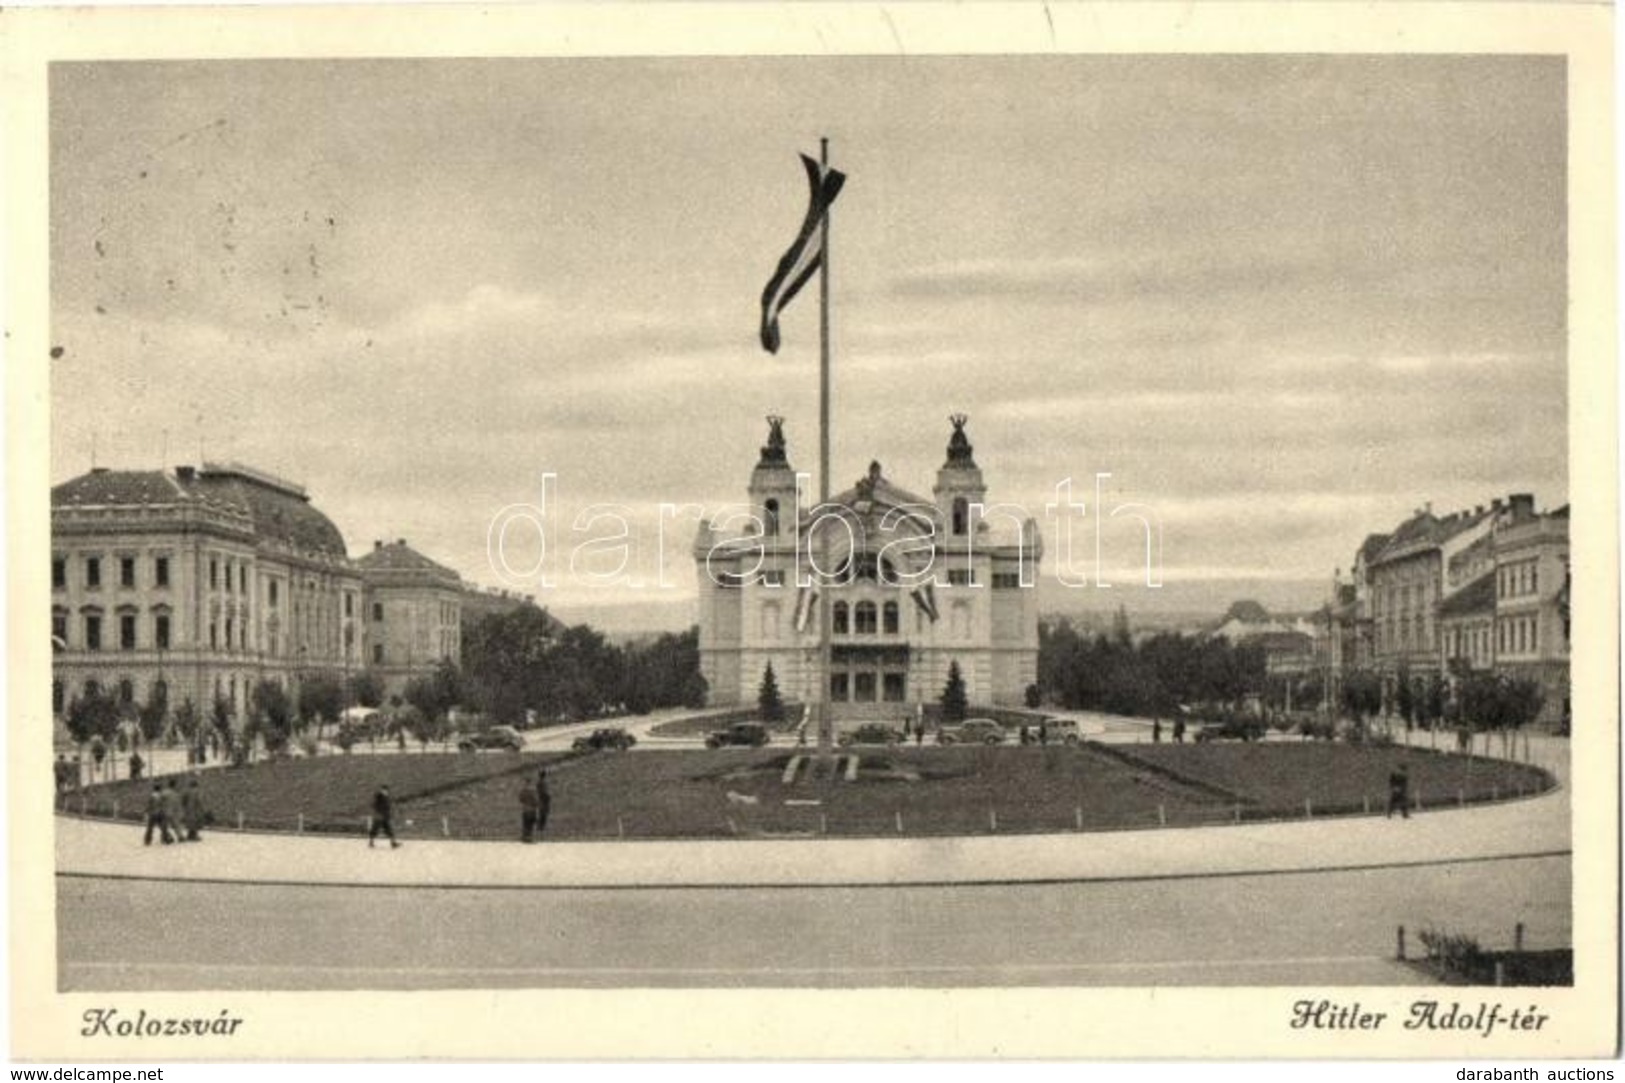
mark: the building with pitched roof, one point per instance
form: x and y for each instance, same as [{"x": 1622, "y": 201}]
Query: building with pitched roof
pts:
[
  {"x": 913, "y": 583},
  {"x": 1478, "y": 591},
  {"x": 195, "y": 585},
  {"x": 414, "y": 612}
]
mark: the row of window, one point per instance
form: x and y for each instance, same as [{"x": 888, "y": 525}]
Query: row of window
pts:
[
  {"x": 860, "y": 687},
  {"x": 960, "y": 517},
  {"x": 127, "y": 579},
  {"x": 1517, "y": 635},
  {"x": 1517, "y": 580},
  {"x": 123, "y": 692},
  {"x": 774, "y": 577},
  {"x": 127, "y": 624},
  {"x": 860, "y": 618}
]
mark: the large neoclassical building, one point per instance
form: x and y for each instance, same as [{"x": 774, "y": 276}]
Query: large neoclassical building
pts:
[
  {"x": 914, "y": 584},
  {"x": 197, "y": 583}
]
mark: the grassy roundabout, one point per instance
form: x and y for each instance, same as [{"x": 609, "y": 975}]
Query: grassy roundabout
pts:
[{"x": 908, "y": 791}]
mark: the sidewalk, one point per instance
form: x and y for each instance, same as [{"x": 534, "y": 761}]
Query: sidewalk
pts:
[{"x": 1534, "y": 826}]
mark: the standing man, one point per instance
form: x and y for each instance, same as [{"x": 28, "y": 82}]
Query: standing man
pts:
[
  {"x": 1179, "y": 731},
  {"x": 155, "y": 816},
  {"x": 136, "y": 764},
  {"x": 529, "y": 803},
  {"x": 192, "y": 810},
  {"x": 1156, "y": 731},
  {"x": 1399, "y": 793},
  {"x": 383, "y": 813},
  {"x": 544, "y": 801}
]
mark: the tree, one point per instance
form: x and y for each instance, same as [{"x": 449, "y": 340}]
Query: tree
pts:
[
  {"x": 367, "y": 689},
  {"x": 93, "y": 716},
  {"x": 271, "y": 715},
  {"x": 1361, "y": 697},
  {"x": 768, "y": 702},
  {"x": 220, "y": 716},
  {"x": 1405, "y": 697},
  {"x": 154, "y": 714},
  {"x": 436, "y": 694},
  {"x": 954, "y": 703},
  {"x": 188, "y": 722},
  {"x": 321, "y": 699},
  {"x": 1032, "y": 697},
  {"x": 1522, "y": 699}
]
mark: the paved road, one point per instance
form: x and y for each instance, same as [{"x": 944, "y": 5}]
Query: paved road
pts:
[{"x": 1230, "y": 930}]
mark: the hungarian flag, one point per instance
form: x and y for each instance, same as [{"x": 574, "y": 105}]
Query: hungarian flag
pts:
[
  {"x": 805, "y": 256},
  {"x": 926, "y": 598},
  {"x": 805, "y": 601}
]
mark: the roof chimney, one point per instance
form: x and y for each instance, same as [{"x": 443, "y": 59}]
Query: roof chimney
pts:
[
  {"x": 377, "y": 545},
  {"x": 1495, "y": 505},
  {"x": 1522, "y": 504},
  {"x": 185, "y": 473},
  {"x": 401, "y": 542}
]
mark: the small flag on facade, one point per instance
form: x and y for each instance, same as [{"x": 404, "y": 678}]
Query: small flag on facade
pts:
[
  {"x": 804, "y": 607},
  {"x": 926, "y": 598},
  {"x": 805, "y": 256}
]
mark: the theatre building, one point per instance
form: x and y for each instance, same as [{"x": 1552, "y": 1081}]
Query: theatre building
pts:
[{"x": 914, "y": 584}]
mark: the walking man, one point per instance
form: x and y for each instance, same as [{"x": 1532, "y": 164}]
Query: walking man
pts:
[
  {"x": 1179, "y": 731},
  {"x": 544, "y": 802},
  {"x": 383, "y": 812},
  {"x": 529, "y": 803},
  {"x": 1156, "y": 731},
  {"x": 155, "y": 816},
  {"x": 171, "y": 802}
]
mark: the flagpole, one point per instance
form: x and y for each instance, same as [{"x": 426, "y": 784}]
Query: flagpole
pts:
[{"x": 826, "y": 730}]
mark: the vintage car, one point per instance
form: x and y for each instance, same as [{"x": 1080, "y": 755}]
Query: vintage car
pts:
[
  {"x": 870, "y": 733},
  {"x": 501, "y": 737},
  {"x": 749, "y": 734},
  {"x": 609, "y": 737},
  {"x": 1231, "y": 729},
  {"x": 972, "y": 731}
]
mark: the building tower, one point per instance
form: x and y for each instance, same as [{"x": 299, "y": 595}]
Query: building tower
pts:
[{"x": 959, "y": 485}]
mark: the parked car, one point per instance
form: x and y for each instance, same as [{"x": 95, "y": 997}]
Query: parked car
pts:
[
  {"x": 972, "y": 731},
  {"x": 1231, "y": 729},
  {"x": 1061, "y": 731},
  {"x": 504, "y": 737},
  {"x": 751, "y": 734},
  {"x": 609, "y": 737},
  {"x": 871, "y": 733}
]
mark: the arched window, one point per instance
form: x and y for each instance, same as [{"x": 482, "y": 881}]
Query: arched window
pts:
[
  {"x": 126, "y": 691},
  {"x": 864, "y": 618},
  {"x": 961, "y": 516},
  {"x": 770, "y": 518},
  {"x": 92, "y": 689},
  {"x": 889, "y": 618},
  {"x": 839, "y": 617},
  {"x": 57, "y": 697},
  {"x": 160, "y": 691}
]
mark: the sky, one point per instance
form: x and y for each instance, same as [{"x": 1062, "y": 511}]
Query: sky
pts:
[{"x": 1283, "y": 301}]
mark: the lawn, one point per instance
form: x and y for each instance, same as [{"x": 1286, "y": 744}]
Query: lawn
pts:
[
  {"x": 1269, "y": 778},
  {"x": 332, "y": 792},
  {"x": 911, "y": 791}
]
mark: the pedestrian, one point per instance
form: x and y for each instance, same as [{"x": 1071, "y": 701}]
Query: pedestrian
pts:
[
  {"x": 172, "y": 810},
  {"x": 67, "y": 774},
  {"x": 192, "y": 811},
  {"x": 544, "y": 802},
  {"x": 155, "y": 816},
  {"x": 529, "y": 802},
  {"x": 1043, "y": 731},
  {"x": 1026, "y": 735},
  {"x": 136, "y": 764},
  {"x": 383, "y": 812},
  {"x": 1399, "y": 793},
  {"x": 1156, "y": 731},
  {"x": 1179, "y": 731}
]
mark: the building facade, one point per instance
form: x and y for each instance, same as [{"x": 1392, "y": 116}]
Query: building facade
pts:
[
  {"x": 1478, "y": 591},
  {"x": 414, "y": 613},
  {"x": 198, "y": 583},
  {"x": 913, "y": 585}
]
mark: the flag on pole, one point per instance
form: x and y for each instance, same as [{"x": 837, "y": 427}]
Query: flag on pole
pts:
[
  {"x": 805, "y": 256},
  {"x": 926, "y": 598},
  {"x": 804, "y": 607}
]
